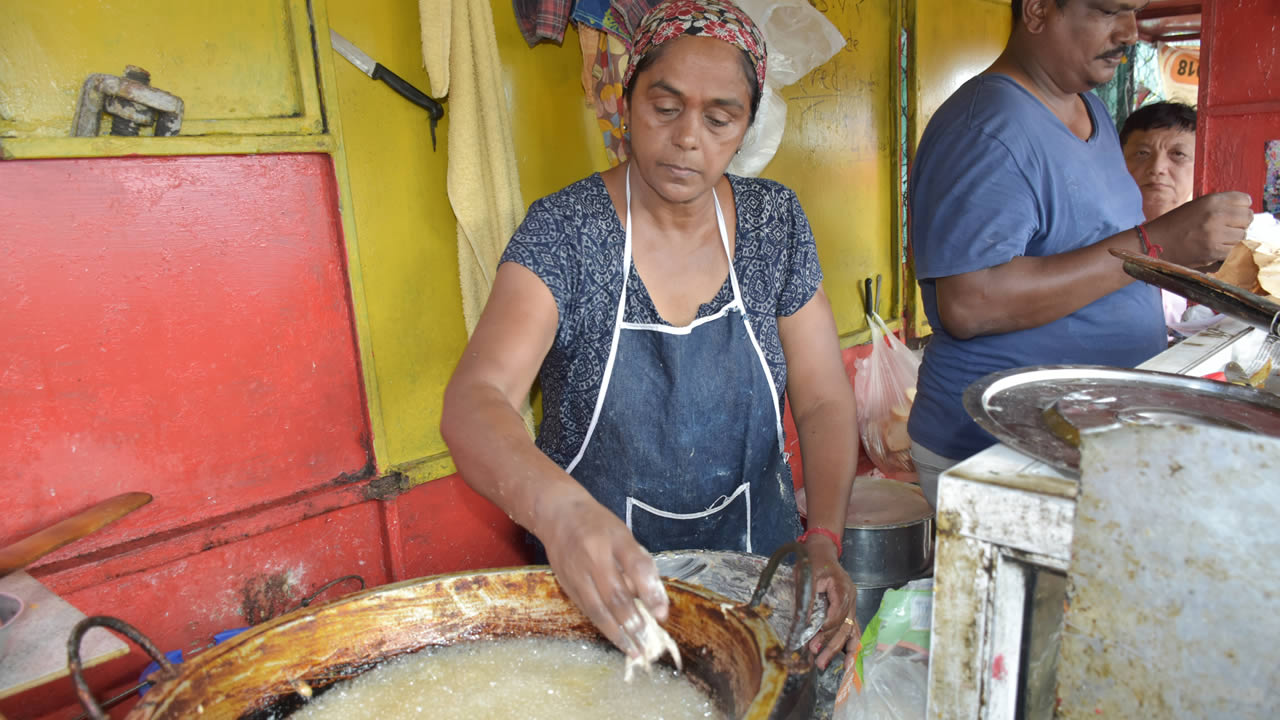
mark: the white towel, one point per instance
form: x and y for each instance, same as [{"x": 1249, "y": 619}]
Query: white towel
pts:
[{"x": 460, "y": 50}]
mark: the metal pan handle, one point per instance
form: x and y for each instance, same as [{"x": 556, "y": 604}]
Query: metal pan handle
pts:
[
  {"x": 83, "y": 692},
  {"x": 802, "y": 575}
]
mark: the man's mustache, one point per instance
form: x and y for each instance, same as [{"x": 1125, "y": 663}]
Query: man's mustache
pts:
[{"x": 1118, "y": 52}]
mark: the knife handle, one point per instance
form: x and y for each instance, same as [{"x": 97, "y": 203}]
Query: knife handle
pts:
[{"x": 412, "y": 94}]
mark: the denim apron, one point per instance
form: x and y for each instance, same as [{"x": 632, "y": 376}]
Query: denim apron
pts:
[{"x": 686, "y": 440}]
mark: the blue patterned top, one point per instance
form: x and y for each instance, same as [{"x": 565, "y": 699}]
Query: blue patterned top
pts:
[{"x": 573, "y": 240}]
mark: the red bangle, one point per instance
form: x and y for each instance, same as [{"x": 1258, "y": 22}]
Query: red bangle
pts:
[
  {"x": 826, "y": 533},
  {"x": 1148, "y": 247}
]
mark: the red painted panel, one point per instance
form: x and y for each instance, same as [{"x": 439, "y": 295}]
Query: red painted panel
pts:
[
  {"x": 445, "y": 526},
  {"x": 175, "y": 325},
  {"x": 1240, "y": 95},
  {"x": 182, "y": 604},
  {"x": 1242, "y": 62},
  {"x": 1234, "y": 148}
]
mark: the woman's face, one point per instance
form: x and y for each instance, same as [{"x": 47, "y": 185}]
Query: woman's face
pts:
[
  {"x": 687, "y": 115},
  {"x": 1162, "y": 161}
]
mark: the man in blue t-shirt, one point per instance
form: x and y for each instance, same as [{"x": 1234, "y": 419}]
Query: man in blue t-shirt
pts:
[{"x": 1018, "y": 192}]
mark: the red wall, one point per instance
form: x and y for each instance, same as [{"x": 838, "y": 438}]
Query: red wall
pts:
[
  {"x": 173, "y": 325},
  {"x": 1239, "y": 95},
  {"x": 183, "y": 326}
]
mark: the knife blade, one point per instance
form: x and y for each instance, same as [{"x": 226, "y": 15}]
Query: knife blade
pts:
[{"x": 378, "y": 71}]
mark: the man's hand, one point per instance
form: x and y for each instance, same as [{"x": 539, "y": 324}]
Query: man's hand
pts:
[
  {"x": 1204, "y": 230},
  {"x": 602, "y": 569}
]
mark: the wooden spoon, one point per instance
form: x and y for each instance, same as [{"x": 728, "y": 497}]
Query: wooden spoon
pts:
[{"x": 28, "y": 550}]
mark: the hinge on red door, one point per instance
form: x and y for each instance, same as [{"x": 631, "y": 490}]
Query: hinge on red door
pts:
[{"x": 130, "y": 101}]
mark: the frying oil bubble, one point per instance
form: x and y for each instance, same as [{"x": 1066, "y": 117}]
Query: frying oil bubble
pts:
[{"x": 538, "y": 679}]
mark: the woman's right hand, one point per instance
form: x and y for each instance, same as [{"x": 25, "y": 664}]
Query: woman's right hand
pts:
[{"x": 602, "y": 568}]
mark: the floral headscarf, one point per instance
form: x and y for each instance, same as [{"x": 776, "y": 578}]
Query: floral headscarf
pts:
[{"x": 719, "y": 19}]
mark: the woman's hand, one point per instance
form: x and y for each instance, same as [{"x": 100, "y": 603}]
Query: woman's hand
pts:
[
  {"x": 601, "y": 567},
  {"x": 840, "y": 629}
]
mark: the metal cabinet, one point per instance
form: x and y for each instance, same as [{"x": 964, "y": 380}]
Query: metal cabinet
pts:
[{"x": 1005, "y": 526}]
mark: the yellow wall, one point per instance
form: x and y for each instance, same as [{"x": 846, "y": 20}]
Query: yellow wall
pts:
[
  {"x": 837, "y": 154},
  {"x": 405, "y": 233},
  {"x": 951, "y": 41}
]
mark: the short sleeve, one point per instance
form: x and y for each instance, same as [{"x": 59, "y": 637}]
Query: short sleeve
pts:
[
  {"x": 802, "y": 274},
  {"x": 972, "y": 206},
  {"x": 541, "y": 245}
]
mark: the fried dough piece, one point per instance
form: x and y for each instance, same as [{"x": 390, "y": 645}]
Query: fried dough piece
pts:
[
  {"x": 1239, "y": 269},
  {"x": 654, "y": 643}
]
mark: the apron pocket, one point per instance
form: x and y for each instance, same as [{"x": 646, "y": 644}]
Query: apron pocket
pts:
[{"x": 725, "y": 525}]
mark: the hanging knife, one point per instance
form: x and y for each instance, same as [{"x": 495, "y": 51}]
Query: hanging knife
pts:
[{"x": 377, "y": 71}]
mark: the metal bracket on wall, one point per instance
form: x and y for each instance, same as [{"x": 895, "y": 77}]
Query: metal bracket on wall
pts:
[{"x": 130, "y": 101}]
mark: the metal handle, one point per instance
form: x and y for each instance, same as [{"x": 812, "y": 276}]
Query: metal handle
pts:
[
  {"x": 802, "y": 576},
  {"x": 77, "y": 669}
]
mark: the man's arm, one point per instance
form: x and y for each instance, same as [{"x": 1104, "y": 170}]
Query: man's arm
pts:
[{"x": 1028, "y": 292}]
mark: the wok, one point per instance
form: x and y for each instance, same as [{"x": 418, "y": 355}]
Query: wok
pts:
[{"x": 729, "y": 650}]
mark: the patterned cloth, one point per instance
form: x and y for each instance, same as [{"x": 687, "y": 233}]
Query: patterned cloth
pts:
[
  {"x": 708, "y": 18},
  {"x": 617, "y": 17},
  {"x": 542, "y": 19},
  {"x": 573, "y": 241},
  {"x": 603, "y": 58}
]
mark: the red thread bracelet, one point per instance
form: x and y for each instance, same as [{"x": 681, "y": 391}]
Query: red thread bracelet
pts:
[
  {"x": 827, "y": 534},
  {"x": 1148, "y": 247}
]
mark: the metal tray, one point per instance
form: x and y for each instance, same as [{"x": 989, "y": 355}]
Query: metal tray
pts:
[
  {"x": 1042, "y": 411},
  {"x": 1204, "y": 289}
]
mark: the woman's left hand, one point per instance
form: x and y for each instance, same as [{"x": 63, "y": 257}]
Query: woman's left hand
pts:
[{"x": 840, "y": 629}]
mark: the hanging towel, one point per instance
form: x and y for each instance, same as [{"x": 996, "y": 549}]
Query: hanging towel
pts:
[{"x": 460, "y": 50}]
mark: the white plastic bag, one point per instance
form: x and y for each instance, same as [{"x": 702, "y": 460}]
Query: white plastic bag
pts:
[
  {"x": 799, "y": 39},
  {"x": 888, "y": 678},
  {"x": 885, "y": 387}
]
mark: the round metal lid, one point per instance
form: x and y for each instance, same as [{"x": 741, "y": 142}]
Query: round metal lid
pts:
[
  {"x": 885, "y": 503},
  {"x": 1042, "y": 411}
]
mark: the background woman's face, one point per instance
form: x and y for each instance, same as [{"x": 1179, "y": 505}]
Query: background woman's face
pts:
[
  {"x": 687, "y": 116},
  {"x": 1162, "y": 162}
]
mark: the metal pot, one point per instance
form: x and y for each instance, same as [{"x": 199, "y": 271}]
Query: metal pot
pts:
[
  {"x": 888, "y": 537},
  {"x": 729, "y": 650}
]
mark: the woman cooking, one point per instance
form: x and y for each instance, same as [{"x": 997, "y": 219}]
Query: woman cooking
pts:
[{"x": 664, "y": 306}]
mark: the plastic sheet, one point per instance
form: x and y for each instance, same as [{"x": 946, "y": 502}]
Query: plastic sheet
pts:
[
  {"x": 799, "y": 39},
  {"x": 889, "y": 678}
]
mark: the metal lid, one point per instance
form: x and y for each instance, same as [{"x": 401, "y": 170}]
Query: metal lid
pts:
[
  {"x": 885, "y": 503},
  {"x": 1043, "y": 411}
]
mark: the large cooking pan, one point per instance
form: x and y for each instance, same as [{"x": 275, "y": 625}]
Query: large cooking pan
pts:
[{"x": 729, "y": 650}]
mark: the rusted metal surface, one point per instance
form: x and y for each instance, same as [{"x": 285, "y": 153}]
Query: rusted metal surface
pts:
[
  {"x": 1204, "y": 289},
  {"x": 735, "y": 575},
  {"x": 266, "y": 596},
  {"x": 962, "y": 582},
  {"x": 728, "y": 650},
  {"x": 1173, "y": 577},
  {"x": 83, "y": 692},
  {"x": 130, "y": 100},
  {"x": 1001, "y": 515}
]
